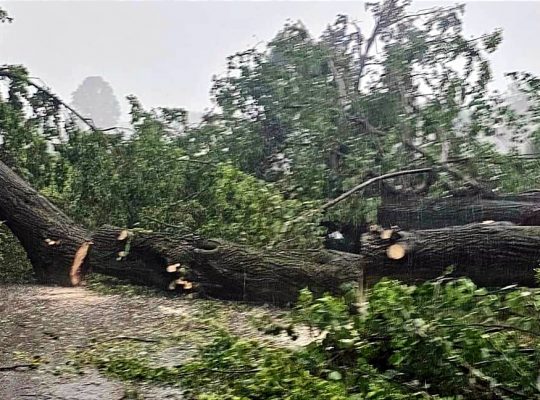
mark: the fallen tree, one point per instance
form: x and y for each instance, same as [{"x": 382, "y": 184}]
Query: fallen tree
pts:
[{"x": 63, "y": 252}]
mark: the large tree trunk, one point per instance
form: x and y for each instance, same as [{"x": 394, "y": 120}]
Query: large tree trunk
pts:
[
  {"x": 49, "y": 237},
  {"x": 491, "y": 254},
  {"x": 521, "y": 209},
  {"x": 62, "y": 252},
  {"x": 217, "y": 268}
]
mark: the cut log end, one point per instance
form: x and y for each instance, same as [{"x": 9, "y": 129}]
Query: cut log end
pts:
[
  {"x": 123, "y": 235},
  {"x": 375, "y": 229},
  {"x": 396, "y": 251},
  {"x": 386, "y": 234},
  {"x": 173, "y": 267},
  {"x": 185, "y": 285},
  {"x": 76, "y": 271}
]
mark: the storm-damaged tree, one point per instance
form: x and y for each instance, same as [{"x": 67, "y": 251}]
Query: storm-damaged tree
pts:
[{"x": 330, "y": 124}]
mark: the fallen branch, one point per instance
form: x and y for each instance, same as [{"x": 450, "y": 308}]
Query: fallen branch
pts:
[
  {"x": 5, "y": 72},
  {"x": 15, "y": 367},
  {"x": 361, "y": 186},
  {"x": 331, "y": 203}
]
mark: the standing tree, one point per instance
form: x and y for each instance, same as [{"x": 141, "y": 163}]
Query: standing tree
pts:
[{"x": 95, "y": 99}]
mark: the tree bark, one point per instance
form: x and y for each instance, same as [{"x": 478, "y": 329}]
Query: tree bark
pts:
[
  {"x": 491, "y": 254},
  {"x": 521, "y": 209},
  {"x": 62, "y": 252},
  {"x": 49, "y": 237},
  {"x": 219, "y": 269}
]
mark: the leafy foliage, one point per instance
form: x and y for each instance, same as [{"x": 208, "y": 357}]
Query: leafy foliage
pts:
[
  {"x": 297, "y": 123},
  {"x": 437, "y": 340},
  {"x": 442, "y": 339},
  {"x": 14, "y": 266}
]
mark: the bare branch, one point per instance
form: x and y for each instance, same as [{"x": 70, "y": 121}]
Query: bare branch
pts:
[
  {"x": 361, "y": 186},
  {"x": 365, "y": 55}
]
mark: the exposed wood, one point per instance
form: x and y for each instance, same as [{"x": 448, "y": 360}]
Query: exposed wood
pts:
[
  {"x": 173, "y": 267},
  {"x": 33, "y": 220},
  {"x": 386, "y": 234},
  {"x": 396, "y": 251},
  {"x": 76, "y": 272},
  {"x": 123, "y": 235},
  {"x": 220, "y": 269}
]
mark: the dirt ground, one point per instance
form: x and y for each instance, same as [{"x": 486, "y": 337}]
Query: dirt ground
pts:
[{"x": 41, "y": 327}]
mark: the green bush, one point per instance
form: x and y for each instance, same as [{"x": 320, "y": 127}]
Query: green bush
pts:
[
  {"x": 436, "y": 340},
  {"x": 14, "y": 265},
  {"x": 440, "y": 340},
  {"x": 244, "y": 209}
]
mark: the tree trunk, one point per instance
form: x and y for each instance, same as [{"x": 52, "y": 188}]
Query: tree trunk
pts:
[
  {"x": 521, "y": 209},
  {"x": 491, "y": 254},
  {"x": 49, "y": 237},
  {"x": 217, "y": 268},
  {"x": 62, "y": 252}
]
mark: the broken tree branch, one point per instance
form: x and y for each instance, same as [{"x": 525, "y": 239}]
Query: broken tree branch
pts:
[{"x": 361, "y": 186}]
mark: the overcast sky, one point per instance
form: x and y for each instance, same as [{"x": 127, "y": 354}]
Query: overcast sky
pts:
[{"x": 166, "y": 52}]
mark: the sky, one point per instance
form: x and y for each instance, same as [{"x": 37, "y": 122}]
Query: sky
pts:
[{"x": 166, "y": 52}]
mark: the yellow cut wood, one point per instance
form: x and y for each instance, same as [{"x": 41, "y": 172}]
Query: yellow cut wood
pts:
[
  {"x": 173, "y": 267},
  {"x": 396, "y": 251},
  {"x": 387, "y": 234}
]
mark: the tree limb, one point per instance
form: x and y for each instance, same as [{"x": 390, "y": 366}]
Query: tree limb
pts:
[{"x": 355, "y": 189}]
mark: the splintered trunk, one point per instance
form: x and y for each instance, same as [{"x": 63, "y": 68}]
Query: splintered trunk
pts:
[
  {"x": 491, "y": 254},
  {"x": 521, "y": 209}
]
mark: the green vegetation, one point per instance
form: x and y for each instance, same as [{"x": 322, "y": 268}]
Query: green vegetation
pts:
[
  {"x": 14, "y": 266},
  {"x": 442, "y": 339},
  {"x": 297, "y": 123}
]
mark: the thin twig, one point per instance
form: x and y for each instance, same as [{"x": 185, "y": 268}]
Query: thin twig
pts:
[
  {"x": 132, "y": 338},
  {"x": 157, "y": 221},
  {"x": 16, "y": 367}
]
